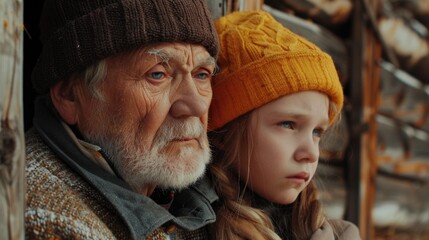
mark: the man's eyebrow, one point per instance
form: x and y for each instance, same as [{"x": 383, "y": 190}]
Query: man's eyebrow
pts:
[
  {"x": 212, "y": 62},
  {"x": 166, "y": 56},
  {"x": 163, "y": 55},
  {"x": 209, "y": 61}
]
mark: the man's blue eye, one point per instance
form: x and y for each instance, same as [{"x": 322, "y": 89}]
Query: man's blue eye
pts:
[
  {"x": 202, "y": 76},
  {"x": 157, "y": 75}
]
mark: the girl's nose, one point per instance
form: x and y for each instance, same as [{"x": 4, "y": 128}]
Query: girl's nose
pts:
[{"x": 307, "y": 150}]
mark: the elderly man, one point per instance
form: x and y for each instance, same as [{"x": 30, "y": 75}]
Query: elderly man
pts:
[{"x": 120, "y": 127}]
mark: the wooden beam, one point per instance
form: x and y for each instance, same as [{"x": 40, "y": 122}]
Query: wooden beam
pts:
[{"x": 12, "y": 155}]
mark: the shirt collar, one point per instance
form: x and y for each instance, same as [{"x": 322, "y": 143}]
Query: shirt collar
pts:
[{"x": 92, "y": 151}]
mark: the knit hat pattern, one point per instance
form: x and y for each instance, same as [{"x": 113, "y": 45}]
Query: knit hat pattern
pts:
[
  {"x": 78, "y": 33},
  {"x": 261, "y": 61}
]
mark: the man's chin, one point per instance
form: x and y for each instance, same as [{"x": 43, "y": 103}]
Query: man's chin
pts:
[
  {"x": 185, "y": 170},
  {"x": 184, "y": 181},
  {"x": 168, "y": 170}
]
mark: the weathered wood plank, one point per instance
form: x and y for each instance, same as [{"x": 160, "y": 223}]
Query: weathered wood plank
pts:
[
  {"x": 371, "y": 86},
  {"x": 244, "y": 5},
  {"x": 12, "y": 154}
]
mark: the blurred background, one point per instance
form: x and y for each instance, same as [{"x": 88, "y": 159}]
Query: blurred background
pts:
[{"x": 374, "y": 166}]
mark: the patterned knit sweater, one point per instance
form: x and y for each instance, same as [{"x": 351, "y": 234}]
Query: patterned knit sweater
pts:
[{"x": 62, "y": 205}]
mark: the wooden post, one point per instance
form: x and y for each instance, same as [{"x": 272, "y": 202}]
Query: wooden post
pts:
[
  {"x": 357, "y": 126},
  {"x": 364, "y": 88},
  {"x": 371, "y": 86},
  {"x": 12, "y": 155}
]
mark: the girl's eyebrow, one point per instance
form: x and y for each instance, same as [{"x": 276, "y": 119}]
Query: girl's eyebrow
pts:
[{"x": 295, "y": 115}]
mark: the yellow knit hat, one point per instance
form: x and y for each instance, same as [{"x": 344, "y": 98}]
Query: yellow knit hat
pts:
[{"x": 260, "y": 61}]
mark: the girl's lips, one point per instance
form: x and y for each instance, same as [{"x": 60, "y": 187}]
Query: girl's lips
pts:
[{"x": 300, "y": 176}]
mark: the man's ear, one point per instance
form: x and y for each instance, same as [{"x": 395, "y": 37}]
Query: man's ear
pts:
[{"x": 64, "y": 99}]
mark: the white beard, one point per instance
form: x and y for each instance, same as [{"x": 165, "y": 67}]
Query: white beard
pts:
[{"x": 140, "y": 165}]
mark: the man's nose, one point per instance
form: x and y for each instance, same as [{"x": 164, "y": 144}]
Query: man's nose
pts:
[{"x": 189, "y": 100}]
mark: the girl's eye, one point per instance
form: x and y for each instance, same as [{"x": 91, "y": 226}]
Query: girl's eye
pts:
[
  {"x": 318, "y": 132},
  {"x": 286, "y": 124}
]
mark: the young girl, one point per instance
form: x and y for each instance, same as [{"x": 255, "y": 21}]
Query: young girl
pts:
[{"x": 275, "y": 96}]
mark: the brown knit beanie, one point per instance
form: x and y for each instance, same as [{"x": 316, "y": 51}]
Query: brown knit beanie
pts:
[
  {"x": 78, "y": 33},
  {"x": 261, "y": 61}
]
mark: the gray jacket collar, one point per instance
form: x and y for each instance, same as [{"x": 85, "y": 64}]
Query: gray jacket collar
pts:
[{"x": 191, "y": 208}]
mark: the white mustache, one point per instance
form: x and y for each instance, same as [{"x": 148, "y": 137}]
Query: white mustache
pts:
[{"x": 179, "y": 129}]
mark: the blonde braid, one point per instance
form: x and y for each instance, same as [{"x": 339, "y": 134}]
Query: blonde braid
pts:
[
  {"x": 308, "y": 209},
  {"x": 236, "y": 218}
]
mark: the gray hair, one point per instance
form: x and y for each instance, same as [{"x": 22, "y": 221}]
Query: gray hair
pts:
[{"x": 93, "y": 76}]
